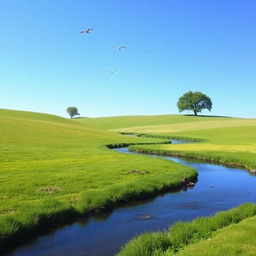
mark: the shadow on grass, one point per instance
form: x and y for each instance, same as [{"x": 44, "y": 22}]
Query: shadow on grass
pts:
[{"x": 207, "y": 116}]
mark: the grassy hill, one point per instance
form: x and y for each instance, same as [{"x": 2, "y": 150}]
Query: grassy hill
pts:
[
  {"x": 128, "y": 123},
  {"x": 234, "y": 144},
  {"x": 229, "y": 140},
  {"x": 53, "y": 168}
]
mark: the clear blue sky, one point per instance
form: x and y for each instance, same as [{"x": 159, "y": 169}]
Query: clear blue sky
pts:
[{"x": 46, "y": 65}]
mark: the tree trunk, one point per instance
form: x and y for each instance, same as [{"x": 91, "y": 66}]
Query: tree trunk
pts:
[{"x": 195, "y": 112}]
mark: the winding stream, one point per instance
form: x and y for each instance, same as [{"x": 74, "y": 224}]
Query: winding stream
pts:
[{"x": 218, "y": 188}]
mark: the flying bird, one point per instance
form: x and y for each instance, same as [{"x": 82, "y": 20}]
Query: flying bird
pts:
[
  {"x": 120, "y": 47},
  {"x": 86, "y": 31},
  {"x": 112, "y": 71}
]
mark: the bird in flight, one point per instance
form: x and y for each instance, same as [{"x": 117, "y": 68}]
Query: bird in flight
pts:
[
  {"x": 86, "y": 31},
  {"x": 120, "y": 47},
  {"x": 112, "y": 71}
]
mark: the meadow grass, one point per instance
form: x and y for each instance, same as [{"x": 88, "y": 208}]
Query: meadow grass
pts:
[
  {"x": 234, "y": 145},
  {"x": 128, "y": 123},
  {"x": 54, "y": 169},
  {"x": 236, "y": 239},
  {"x": 223, "y": 140},
  {"x": 193, "y": 125},
  {"x": 243, "y": 159}
]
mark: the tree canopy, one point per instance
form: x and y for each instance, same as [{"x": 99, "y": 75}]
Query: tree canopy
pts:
[
  {"x": 194, "y": 101},
  {"x": 72, "y": 111}
]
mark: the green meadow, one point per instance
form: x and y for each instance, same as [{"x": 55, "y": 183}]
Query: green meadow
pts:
[
  {"x": 219, "y": 139},
  {"x": 234, "y": 144},
  {"x": 223, "y": 139},
  {"x": 54, "y": 169}
]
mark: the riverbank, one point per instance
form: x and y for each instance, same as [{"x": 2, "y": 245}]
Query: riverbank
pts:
[
  {"x": 221, "y": 139},
  {"x": 33, "y": 221},
  {"x": 180, "y": 236},
  {"x": 210, "y": 157}
]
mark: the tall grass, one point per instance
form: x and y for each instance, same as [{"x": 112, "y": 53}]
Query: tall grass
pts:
[{"x": 234, "y": 240}]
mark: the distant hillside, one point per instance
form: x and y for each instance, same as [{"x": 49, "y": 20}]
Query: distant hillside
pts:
[{"x": 117, "y": 122}]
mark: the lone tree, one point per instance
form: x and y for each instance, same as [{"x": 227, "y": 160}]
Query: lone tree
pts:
[
  {"x": 72, "y": 111},
  {"x": 194, "y": 101}
]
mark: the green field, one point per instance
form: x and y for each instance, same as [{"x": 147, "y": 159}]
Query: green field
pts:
[
  {"x": 226, "y": 140},
  {"x": 54, "y": 169},
  {"x": 229, "y": 140},
  {"x": 130, "y": 123}
]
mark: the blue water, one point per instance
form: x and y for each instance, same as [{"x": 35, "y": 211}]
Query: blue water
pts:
[{"x": 218, "y": 188}]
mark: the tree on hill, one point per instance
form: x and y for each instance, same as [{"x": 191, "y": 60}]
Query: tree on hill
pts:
[
  {"x": 194, "y": 101},
  {"x": 72, "y": 111}
]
